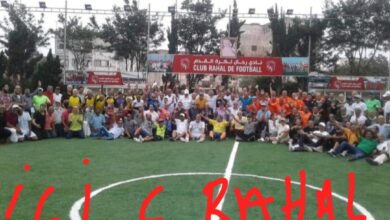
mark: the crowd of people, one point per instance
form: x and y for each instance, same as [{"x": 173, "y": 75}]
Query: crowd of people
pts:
[{"x": 351, "y": 126}]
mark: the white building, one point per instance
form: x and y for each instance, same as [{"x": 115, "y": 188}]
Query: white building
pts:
[{"x": 256, "y": 40}]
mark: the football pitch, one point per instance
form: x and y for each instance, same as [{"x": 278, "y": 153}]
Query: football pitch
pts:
[{"x": 122, "y": 173}]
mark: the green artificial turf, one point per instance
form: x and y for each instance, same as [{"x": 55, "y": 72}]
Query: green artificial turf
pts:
[{"x": 59, "y": 163}]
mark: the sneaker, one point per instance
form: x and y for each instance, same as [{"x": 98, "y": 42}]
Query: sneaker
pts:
[
  {"x": 332, "y": 154},
  {"x": 141, "y": 139},
  {"x": 372, "y": 162},
  {"x": 290, "y": 143},
  {"x": 261, "y": 140},
  {"x": 187, "y": 139},
  {"x": 274, "y": 142},
  {"x": 344, "y": 153},
  {"x": 137, "y": 140},
  {"x": 318, "y": 149},
  {"x": 308, "y": 149}
]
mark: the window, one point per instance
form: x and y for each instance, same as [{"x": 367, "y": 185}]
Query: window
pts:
[
  {"x": 97, "y": 63},
  {"x": 254, "y": 48},
  {"x": 60, "y": 46}
]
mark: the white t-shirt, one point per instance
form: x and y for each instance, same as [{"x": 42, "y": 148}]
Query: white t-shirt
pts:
[
  {"x": 138, "y": 104},
  {"x": 361, "y": 120},
  {"x": 23, "y": 121},
  {"x": 181, "y": 126},
  {"x": 384, "y": 147},
  {"x": 282, "y": 128},
  {"x": 386, "y": 109},
  {"x": 360, "y": 105},
  {"x": 197, "y": 128},
  {"x": 187, "y": 101},
  {"x": 117, "y": 131},
  {"x": 153, "y": 114},
  {"x": 349, "y": 109},
  {"x": 57, "y": 97},
  {"x": 323, "y": 133}
]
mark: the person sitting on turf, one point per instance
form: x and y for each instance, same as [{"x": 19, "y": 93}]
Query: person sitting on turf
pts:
[
  {"x": 282, "y": 135},
  {"x": 38, "y": 122},
  {"x": 237, "y": 124},
  {"x": 75, "y": 124},
  {"x": 181, "y": 132},
  {"x": 382, "y": 152},
  {"x": 24, "y": 124},
  {"x": 49, "y": 123},
  {"x": 311, "y": 140},
  {"x": 96, "y": 122},
  {"x": 145, "y": 132},
  {"x": 153, "y": 114},
  {"x": 58, "y": 111},
  {"x": 263, "y": 116},
  {"x": 296, "y": 133},
  {"x": 351, "y": 133},
  {"x": 160, "y": 130},
  {"x": 115, "y": 132},
  {"x": 219, "y": 128},
  {"x": 366, "y": 146},
  {"x": 131, "y": 123},
  {"x": 249, "y": 133},
  {"x": 197, "y": 129}
]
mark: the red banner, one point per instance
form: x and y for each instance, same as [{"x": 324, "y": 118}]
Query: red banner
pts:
[
  {"x": 252, "y": 66},
  {"x": 335, "y": 83},
  {"x": 105, "y": 78}
]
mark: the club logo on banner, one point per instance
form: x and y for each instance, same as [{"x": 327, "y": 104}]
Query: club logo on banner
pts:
[
  {"x": 250, "y": 66},
  {"x": 105, "y": 78}
]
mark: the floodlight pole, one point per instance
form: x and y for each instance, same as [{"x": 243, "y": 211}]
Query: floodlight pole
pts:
[
  {"x": 388, "y": 78},
  {"x": 309, "y": 49},
  {"x": 148, "y": 40},
  {"x": 230, "y": 20},
  {"x": 65, "y": 44}
]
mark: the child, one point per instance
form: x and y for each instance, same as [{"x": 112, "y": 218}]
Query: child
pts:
[
  {"x": 75, "y": 124},
  {"x": 58, "y": 111},
  {"x": 49, "y": 123},
  {"x": 160, "y": 130}
]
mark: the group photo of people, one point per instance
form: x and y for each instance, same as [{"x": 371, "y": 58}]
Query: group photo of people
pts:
[{"x": 350, "y": 127}]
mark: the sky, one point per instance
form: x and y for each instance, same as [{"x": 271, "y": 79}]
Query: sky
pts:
[{"x": 261, "y": 6}]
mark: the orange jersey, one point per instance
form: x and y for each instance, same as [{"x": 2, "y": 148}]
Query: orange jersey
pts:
[
  {"x": 305, "y": 117},
  {"x": 274, "y": 107}
]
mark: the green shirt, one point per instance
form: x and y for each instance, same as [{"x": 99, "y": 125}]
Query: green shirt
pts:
[
  {"x": 76, "y": 122},
  {"x": 37, "y": 101},
  {"x": 367, "y": 146},
  {"x": 160, "y": 131},
  {"x": 373, "y": 104}
]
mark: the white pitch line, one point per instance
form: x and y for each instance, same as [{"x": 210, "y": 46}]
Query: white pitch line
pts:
[
  {"x": 74, "y": 213},
  {"x": 227, "y": 175}
]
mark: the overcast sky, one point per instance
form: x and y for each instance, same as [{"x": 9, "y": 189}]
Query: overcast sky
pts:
[{"x": 261, "y": 6}]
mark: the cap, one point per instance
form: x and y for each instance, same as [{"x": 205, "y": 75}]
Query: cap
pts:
[
  {"x": 40, "y": 90},
  {"x": 322, "y": 124},
  {"x": 387, "y": 94},
  {"x": 182, "y": 115},
  {"x": 282, "y": 119},
  {"x": 357, "y": 96},
  {"x": 186, "y": 92},
  {"x": 16, "y": 106},
  {"x": 263, "y": 104}
]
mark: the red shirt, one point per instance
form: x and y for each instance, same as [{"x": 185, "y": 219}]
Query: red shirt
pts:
[
  {"x": 11, "y": 118},
  {"x": 50, "y": 96}
]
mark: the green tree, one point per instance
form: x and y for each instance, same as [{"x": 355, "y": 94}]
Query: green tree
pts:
[
  {"x": 127, "y": 35},
  {"x": 377, "y": 67},
  {"x": 357, "y": 29},
  {"x": 290, "y": 37},
  {"x": 23, "y": 34},
  {"x": 3, "y": 66},
  {"x": 79, "y": 39},
  {"x": 48, "y": 71},
  {"x": 197, "y": 32}
]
